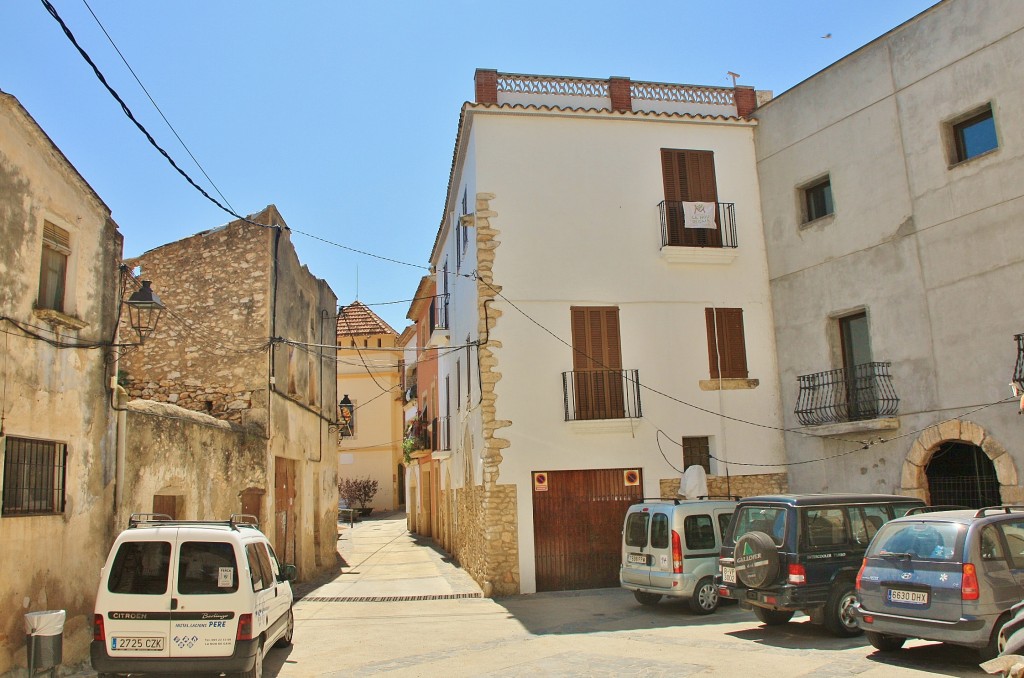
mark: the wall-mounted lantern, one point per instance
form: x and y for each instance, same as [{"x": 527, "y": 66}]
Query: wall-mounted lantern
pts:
[
  {"x": 346, "y": 417},
  {"x": 144, "y": 310}
]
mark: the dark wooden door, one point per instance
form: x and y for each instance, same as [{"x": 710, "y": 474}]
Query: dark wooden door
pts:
[
  {"x": 689, "y": 176},
  {"x": 166, "y": 504},
  {"x": 284, "y": 509},
  {"x": 597, "y": 362},
  {"x": 577, "y": 527}
]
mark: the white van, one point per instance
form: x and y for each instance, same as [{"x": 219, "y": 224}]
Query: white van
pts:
[
  {"x": 670, "y": 548},
  {"x": 179, "y": 597}
]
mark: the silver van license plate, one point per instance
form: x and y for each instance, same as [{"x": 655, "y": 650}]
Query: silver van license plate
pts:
[
  {"x": 912, "y": 597},
  {"x": 137, "y": 643},
  {"x": 640, "y": 558}
]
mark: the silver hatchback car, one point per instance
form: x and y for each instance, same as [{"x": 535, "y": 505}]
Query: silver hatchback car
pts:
[{"x": 949, "y": 576}]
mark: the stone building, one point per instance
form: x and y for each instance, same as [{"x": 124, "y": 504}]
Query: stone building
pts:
[
  {"x": 608, "y": 320},
  {"x": 59, "y": 256},
  {"x": 893, "y": 222},
  {"x": 370, "y": 366},
  {"x": 247, "y": 339}
]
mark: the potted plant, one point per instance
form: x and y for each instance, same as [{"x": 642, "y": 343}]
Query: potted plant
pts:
[{"x": 358, "y": 492}]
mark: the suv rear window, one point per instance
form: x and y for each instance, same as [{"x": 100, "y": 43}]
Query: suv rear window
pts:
[
  {"x": 917, "y": 541},
  {"x": 140, "y": 568},
  {"x": 207, "y": 567},
  {"x": 768, "y": 519}
]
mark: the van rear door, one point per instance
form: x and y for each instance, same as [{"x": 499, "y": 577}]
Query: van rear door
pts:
[
  {"x": 135, "y": 595},
  {"x": 208, "y": 593},
  {"x": 636, "y": 567}
]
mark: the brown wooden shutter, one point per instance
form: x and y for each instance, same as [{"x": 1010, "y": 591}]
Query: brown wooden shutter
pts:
[
  {"x": 689, "y": 176},
  {"x": 725, "y": 338},
  {"x": 597, "y": 362}
]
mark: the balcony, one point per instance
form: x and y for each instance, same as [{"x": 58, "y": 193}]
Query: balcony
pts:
[
  {"x": 439, "y": 321},
  {"x": 601, "y": 394},
  {"x": 1018, "y": 371},
  {"x": 698, "y": 245},
  {"x": 837, "y": 397}
]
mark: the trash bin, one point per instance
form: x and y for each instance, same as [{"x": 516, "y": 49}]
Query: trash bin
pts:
[{"x": 45, "y": 639}]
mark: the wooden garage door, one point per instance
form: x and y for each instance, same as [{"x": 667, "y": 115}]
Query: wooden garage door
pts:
[{"x": 577, "y": 526}]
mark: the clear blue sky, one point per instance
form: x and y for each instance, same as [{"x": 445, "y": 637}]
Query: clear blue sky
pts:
[{"x": 344, "y": 114}]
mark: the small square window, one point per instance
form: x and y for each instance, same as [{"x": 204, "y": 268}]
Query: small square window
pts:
[
  {"x": 975, "y": 135},
  {"x": 697, "y": 450},
  {"x": 818, "y": 200},
  {"x": 33, "y": 476}
]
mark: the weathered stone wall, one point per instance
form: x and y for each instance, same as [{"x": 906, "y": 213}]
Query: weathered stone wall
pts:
[
  {"x": 204, "y": 461},
  {"x": 208, "y": 353},
  {"x": 486, "y": 538},
  {"x": 740, "y": 486}
]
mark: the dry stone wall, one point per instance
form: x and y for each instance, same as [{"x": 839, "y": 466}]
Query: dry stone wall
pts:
[{"x": 740, "y": 486}]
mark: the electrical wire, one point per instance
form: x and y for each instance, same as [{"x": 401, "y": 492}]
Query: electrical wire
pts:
[{"x": 152, "y": 101}]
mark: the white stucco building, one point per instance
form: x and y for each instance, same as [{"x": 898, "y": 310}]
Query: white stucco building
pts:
[
  {"x": 892, "y": 201},
  {"x": 592, "y": 333}
]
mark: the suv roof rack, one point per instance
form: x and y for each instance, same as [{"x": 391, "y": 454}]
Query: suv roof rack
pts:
[
  {"x": 235, "y": 521},
  {"x": 937, "y": 507},
  {"x": 1007, "y": 508}
]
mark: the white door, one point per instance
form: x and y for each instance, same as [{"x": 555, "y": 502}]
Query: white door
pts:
[
  {"x": 135, "y": 596},
  {"x": 209, "y": 594}
]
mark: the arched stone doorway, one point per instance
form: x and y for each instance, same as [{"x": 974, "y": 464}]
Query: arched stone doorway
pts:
[{"x": 945, "y": 453}]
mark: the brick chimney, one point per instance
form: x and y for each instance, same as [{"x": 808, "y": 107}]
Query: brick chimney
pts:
[
  {"x": 618, "y": 90},
  {"x": 486, "y": 86},
  {"x": 746, "y": 100}
]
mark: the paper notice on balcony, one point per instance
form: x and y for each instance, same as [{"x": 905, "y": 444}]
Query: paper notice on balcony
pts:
[{"x": 699, "y": 215}]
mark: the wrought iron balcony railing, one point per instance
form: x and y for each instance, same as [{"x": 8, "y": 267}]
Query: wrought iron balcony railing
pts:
[
  {"x": 674, "y": 232},
  {"x": 840, "y": 396},
  {"x": 601, "y": 394},
  {"x": 439, "y": 313},
  {"x": 1018, "y": 371}
]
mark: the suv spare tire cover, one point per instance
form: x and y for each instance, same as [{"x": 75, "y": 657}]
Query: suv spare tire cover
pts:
[{"x": 757, "y": 559}]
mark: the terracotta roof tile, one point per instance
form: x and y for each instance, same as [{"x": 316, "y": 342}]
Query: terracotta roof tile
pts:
[{"x": 357, "y": 320}]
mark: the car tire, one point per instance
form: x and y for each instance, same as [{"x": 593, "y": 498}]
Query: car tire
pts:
[
  {"x": 705, "y": 596},
  {"x": 773, "y": 617},
  {"x": 289, "y": 632},
  {"x": 759, "y": 548},
  {"x": 995, "y": 642},
  {"x": 883, "y": 642},
  {"x": 257, "y": 666},
  {"x": 645, "y": 598},
  {"x": 839, "y": 618}
]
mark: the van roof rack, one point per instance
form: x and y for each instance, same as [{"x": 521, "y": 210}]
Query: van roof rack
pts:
[
  {"x": 1008, "y": 508},
  {"x": 677, "y": 500},
  {"x": 235, "y": 521}
]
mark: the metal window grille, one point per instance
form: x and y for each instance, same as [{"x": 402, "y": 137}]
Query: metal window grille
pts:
[
  {"x": 34, "y": 473},
  {"x": 697, "y": 450}
]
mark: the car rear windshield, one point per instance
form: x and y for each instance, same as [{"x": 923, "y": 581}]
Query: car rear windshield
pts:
[
  {"x": 925, "y": 540},
  {"x": 140, "y": 568},
  {"x": 207, "y": 567},
  {"x": 768, "y": 519}
]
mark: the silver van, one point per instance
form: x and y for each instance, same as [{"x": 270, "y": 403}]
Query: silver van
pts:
[{"x": 670, "y": 548}]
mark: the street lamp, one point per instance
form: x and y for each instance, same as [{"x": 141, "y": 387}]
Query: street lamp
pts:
[
  {"x": 144, "y": 310},
  {"x": 347, "y": 413}
]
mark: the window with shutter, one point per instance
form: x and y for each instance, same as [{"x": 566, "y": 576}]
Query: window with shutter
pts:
[
  {"x": 53, "y": 267},
  {"x": 727, "y": 350},
  {"x": 689, "y": 176},
  {"x": 597, "y": 362}
]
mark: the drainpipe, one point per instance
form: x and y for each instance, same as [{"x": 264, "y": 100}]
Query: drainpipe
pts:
[{"x": 121, "y": 396}]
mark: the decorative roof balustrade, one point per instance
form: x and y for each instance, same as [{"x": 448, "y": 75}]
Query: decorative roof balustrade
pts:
[{"x": 594, "y": 87}]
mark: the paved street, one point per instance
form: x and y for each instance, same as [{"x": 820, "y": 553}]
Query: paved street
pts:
[{"x": 399, "y": 608}]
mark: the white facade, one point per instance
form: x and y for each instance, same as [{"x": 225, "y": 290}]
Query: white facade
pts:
[
  {"x": 929, "y": 247},
  {"x": 574, "y": 194}
]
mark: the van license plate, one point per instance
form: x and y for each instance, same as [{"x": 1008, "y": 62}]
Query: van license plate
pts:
[
  {"x": 137, "y": 643},
  {"x": 729, "y": 575},
  {"x": 640, "y": 558},
  {"x": 912, "y": 597}
]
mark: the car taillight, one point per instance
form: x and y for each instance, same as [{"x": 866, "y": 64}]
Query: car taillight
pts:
[
  {"x": 969, "y": 584},
  {"x": 244, "y": 627},
  {"x": 860, "y": 573},
  {"x": 98, "y": 632},
  {"x": 677, "y": 553},
  {"x": 797, "y": 574}
]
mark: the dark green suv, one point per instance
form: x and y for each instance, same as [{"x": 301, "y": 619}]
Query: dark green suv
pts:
[{"x": 793, "y": 553}]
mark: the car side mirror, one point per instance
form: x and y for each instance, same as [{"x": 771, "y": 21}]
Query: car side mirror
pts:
[{"x": 288, "y": 573}]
